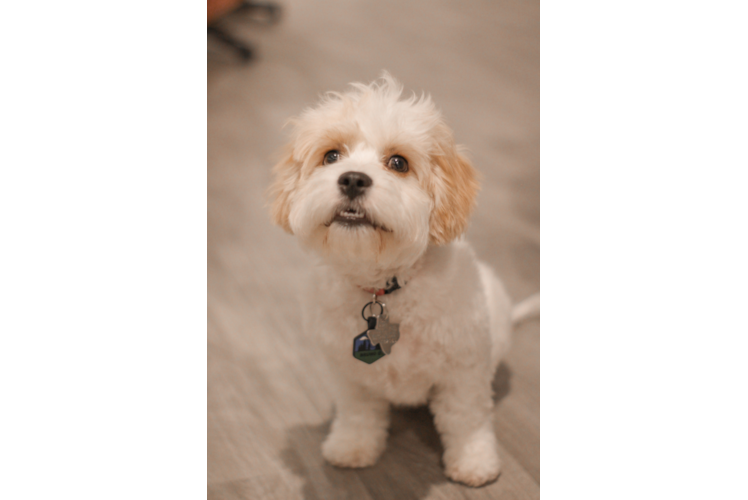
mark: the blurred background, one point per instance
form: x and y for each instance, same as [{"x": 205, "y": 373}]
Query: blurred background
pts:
[{"x": 269, "y": 406}]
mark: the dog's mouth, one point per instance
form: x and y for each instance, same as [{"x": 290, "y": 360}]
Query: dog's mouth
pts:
[{"x": 351, "y": 216}]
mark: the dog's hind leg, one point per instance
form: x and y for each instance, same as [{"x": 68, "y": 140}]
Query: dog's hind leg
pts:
[
  {"x": 499, "y": 311},
  {"x": 462, "y": 406}
]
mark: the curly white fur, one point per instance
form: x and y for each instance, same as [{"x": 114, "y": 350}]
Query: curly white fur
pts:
[{"x": 455, "y": 316}]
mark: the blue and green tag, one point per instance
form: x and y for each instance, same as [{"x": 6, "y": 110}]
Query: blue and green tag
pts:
[{"x": 363, "y": 349}]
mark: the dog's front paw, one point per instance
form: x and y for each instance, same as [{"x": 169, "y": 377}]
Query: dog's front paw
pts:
[
  {"x": 474, "y": 464},
  {"x": 353, "y": 449}
]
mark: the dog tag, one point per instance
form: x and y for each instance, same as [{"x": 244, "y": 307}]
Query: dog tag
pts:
[
  {"x": 384, "y": 334},
  {"x": 363, "y": 348}
]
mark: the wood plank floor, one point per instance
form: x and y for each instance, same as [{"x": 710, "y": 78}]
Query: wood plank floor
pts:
[{"x": 269, "y": 406}]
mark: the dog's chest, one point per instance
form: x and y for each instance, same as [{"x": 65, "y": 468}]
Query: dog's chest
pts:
[
  {"x": 417, "y": 359},
  {"x": 407, "y": 374}
]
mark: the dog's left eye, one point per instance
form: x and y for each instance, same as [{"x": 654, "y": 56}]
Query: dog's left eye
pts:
[
  {"x": 332, "y": 156},
  {"x": 398, "y": 164}
]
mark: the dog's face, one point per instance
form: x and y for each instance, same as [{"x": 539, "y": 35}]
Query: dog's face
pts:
[{"x": 369, "y": 179}]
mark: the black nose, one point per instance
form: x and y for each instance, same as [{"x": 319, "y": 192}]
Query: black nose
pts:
[{"x": 353, "y": 184}]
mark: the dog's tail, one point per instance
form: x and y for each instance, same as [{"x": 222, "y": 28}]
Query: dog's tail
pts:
[{"x": 528, "y": 308}]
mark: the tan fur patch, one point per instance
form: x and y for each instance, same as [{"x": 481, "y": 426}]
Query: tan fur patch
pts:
[
  {"x": 382, "y": 242},
  {"x": 411, "y": 155},
  {"x": 315, "y": 145},
  {"x": 454, "y": 191},
  {"x": 286, "y": 173}
]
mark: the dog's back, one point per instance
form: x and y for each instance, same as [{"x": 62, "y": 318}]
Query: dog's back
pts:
[{"x": 500, "y": 311}]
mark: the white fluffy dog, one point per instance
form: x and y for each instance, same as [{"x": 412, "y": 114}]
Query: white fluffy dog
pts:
[{"x": 375, "y": 186}]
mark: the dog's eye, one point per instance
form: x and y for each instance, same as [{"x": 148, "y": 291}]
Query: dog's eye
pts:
[
  {"x": 398, "y": 164},
  {"x": 332, "y": 156}
]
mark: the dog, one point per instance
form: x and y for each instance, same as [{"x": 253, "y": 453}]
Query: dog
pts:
[{"x": 375, "y": 187}]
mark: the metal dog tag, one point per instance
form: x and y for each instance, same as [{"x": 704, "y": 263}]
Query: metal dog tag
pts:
[{"x": 385, "y": 334}]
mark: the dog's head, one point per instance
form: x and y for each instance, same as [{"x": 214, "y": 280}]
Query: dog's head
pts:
[{"x": 372, "y": 179}]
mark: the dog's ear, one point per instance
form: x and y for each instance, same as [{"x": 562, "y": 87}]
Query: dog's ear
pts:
[
  {"x": 454, "y": 190},
  {"x": 286, "y": 173}
]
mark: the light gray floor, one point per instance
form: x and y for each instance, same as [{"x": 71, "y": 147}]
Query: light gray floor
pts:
[{"x": 268, "y": 403}]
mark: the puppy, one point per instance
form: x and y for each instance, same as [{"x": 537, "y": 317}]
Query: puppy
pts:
[{"x": 374, "y": 185}]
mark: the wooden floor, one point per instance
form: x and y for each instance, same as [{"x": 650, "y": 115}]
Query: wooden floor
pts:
[{"x": 269, "y": 406}]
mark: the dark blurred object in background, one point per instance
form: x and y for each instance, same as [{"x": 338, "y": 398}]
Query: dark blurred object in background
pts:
[{"x": 262, "y": 12}]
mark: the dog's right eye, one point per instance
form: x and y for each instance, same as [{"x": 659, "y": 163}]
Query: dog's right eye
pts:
[{"x": 332, "y": 156}]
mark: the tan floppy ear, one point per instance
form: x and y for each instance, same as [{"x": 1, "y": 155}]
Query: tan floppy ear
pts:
[
  {"x": 286, "y": 173},
  {"x": 455, "y": 190}
]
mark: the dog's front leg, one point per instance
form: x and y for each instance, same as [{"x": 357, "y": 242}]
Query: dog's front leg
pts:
[
  {"x": 359, "y": 431},
  {"x": 462, "y": 408}
]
